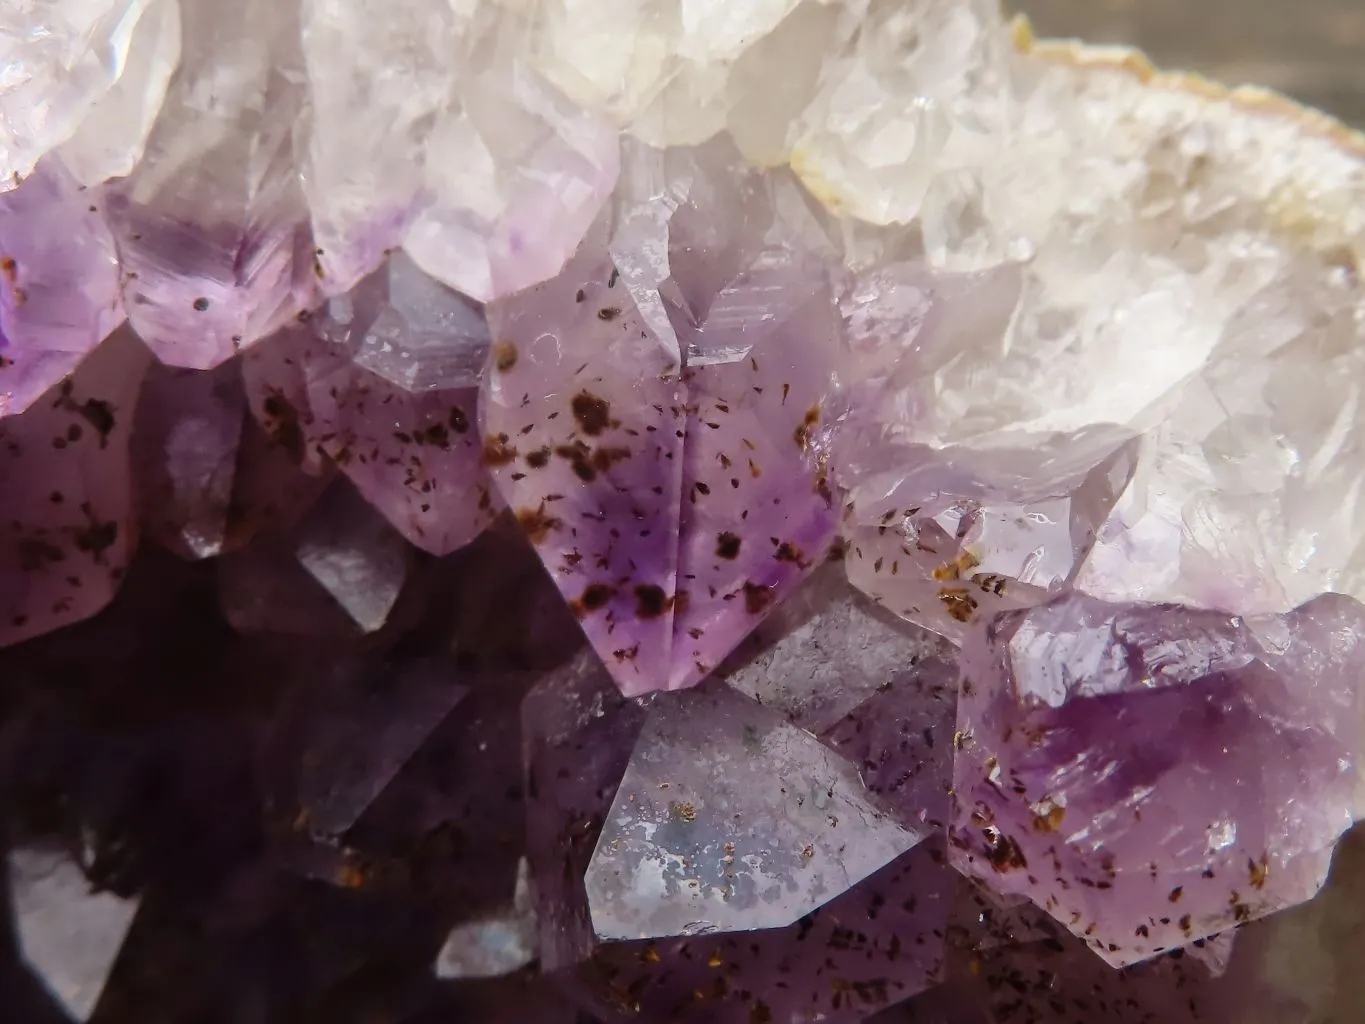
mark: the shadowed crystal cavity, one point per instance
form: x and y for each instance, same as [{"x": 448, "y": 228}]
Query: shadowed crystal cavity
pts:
[
  {"x": 729, "y": 818},
  {"x": 68, "y": 933},
  {"x": 359, "y": 732},
  {"x": 1153, "y": 775}
]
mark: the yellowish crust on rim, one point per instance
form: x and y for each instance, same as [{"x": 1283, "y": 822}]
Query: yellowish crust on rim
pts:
[{"x": 1250, "y": 98}]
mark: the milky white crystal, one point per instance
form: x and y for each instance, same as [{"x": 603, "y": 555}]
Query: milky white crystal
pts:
[
  {"x": 61, "y": 58},
  {"x": 431, "y": 130}
]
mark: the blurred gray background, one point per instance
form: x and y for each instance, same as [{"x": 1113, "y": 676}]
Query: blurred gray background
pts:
[{"x": 1313, "y": 50}]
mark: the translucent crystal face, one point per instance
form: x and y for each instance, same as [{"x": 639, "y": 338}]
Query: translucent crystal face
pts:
[
  {"x": 400, "y": 402},
  {"x": 1207, "y": 736}
]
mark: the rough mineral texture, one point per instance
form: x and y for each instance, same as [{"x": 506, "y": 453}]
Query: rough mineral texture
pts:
[
  {"x": 728, "y": 818},
  {"x": 738, "y": 511},
  {"x": 58, "y": 284},
  {"x": 1151, "y": 776},
  {"x": 678, "y": 486}
]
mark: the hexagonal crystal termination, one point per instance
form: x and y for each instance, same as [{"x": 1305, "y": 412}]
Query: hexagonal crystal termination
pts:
[
  {"x": 1153, "y": 775},
  {"x": 67, "y": 521},
  {"x": 58, "y": 283},
  {"x": 68, "y": 933},
  {"x": 675, "y": 507},
  {"x": 338, "y": 572},
  {"x": 383, "y": 381},
  {"x": 583, "y": 423},
  {"x": 948, "y": 534},
  {"x": 730, "y": 818}
]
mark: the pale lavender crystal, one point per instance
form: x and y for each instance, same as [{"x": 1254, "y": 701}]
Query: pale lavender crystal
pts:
[
  {"x": 874, "y": 945},
  {"x": 827, "y": 651},
  {"x": 67, "y": 519},
  {"x": 409, "y": 329},
  {"x": 59, "y": 282},
  {"x": 729, "y": 818},
  {"x": 496, "y": 944},
  {"x": 1153, "y": 775},
  {"x": 357, "y": 557},
  {"x": 338, "y": 572},
  {"x": 68, "y": 932},
  {"x": 431, "y": 129},
  {"x": 185, "y": 442},
  {"x": 578, "y": 732},
  {"x": 582, "y": 419},
  {"x": 878, "y": 691},
  {"x": 676, "y": 533},
  {"x": 946, "y": 544},
  {"x": 211, "y": 226}
]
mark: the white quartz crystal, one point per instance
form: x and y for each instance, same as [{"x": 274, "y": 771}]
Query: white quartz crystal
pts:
[
  {"x": 68, "y": 932},
  {"x": 59, "y": 58}
]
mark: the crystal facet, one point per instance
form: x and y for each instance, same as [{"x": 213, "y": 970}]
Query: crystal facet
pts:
[
  {"x": 763, "y": 511},
  {"x": 681, "y": 852},
  {"x": 68, "y": 933},
  {"x": 1153, "y": 775},
  {"x": 67, "y": 519}
]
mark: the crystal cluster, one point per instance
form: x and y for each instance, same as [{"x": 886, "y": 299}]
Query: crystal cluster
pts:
[{"x": 764, "y": 512}]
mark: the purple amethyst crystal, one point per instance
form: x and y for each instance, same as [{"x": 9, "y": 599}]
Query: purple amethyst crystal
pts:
[
  {"x": 678, "y": 487},
  {"x": 67, "y": 518},
  {"x": 879, "y": 942},
  {"x": 211, "y": 226},
  {"x": 727, "y": 819},
  {"x": 58, "y": 283},
  {"x": 583, "y": 423},
  {"x": 1152, "y": 775}
]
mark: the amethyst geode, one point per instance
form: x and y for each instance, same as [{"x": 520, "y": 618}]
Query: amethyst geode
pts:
[{"x": 805, "y": 512}]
